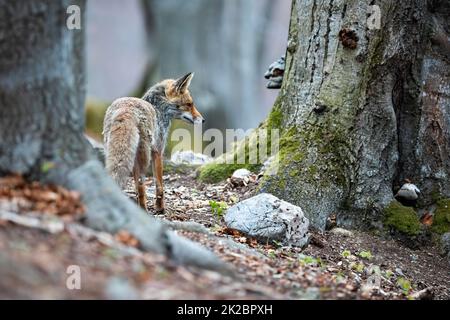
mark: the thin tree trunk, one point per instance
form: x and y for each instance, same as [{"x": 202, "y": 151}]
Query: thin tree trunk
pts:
[
  {"x": 357, "y": 121},
  {"x": 223, "y": 43},
  {"x": 42, "y": 95}
]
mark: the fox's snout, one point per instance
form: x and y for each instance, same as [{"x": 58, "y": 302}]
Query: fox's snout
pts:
[
  {"x": 198, "y": 118},
  {"x": 193, "y": 116}
]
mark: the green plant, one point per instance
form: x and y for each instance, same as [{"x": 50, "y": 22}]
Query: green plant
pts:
[
  {"x": 278, "y": 244},
  {"x": 271, "y": 253},
  {"x": 218, "y": 207},
  {"x": 404, "y": 284},
  {"x": 346, "y": 253},
  {"x": 358, "y": 267},
  {"x": 46, "y": 166},
  {"x": 388, "y": 274},
  {"x": 308, "y": 260},
  {"x": 365, "y": 255}
]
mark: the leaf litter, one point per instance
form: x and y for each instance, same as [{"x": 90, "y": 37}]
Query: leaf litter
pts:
[{"x": 333, "y": 266}]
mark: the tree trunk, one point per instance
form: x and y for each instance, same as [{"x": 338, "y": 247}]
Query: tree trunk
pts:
[
  {"x": 225, "y": 43},
  {"x": 42, "y": 95},
  {"x": 358, "y": 120}
]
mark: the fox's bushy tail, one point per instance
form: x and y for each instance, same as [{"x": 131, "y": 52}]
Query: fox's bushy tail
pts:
[{"x": 121, "y": 148}]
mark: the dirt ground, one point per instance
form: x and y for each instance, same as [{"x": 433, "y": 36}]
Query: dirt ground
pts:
[{"x": 336, "y": 264}]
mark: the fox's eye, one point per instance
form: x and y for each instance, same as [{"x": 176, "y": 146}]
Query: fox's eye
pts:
[{"x": 189, "y": 105}]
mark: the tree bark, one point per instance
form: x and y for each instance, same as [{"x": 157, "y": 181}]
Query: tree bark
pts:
[
  {"x": 357, "y": 121},
  {"x": 42, "y": 96}
]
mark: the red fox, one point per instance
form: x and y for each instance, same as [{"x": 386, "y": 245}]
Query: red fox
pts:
[{"x": 135, "y": 133}]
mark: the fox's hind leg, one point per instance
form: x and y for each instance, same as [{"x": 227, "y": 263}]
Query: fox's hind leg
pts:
[
  {"x": 140, "y": 188},
  {"x": 158, "y": 178},
  {"x": 140, "y": 168}
]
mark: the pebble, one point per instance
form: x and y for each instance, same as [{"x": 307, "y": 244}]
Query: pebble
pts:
[{"x": 342, "y": 232}]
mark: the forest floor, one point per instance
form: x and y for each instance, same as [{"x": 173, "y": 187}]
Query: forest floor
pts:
[{"x": 38, "y": 244}]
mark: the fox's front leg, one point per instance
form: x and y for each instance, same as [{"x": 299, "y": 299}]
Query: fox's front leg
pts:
[{"x": 157, "y": 165}]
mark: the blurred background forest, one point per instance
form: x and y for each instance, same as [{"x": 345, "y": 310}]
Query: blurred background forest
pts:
[{"x": 228, "y": 44}]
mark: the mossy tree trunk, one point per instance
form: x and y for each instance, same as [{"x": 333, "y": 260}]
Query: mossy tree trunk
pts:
[
  {"x": 356, "y": 121},
  {"x": 42, "y": 91}
]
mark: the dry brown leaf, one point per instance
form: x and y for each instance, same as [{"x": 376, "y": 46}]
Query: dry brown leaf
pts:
[
  {"x": 126, "y": 238},
  {"x": 427, "y": 219}
]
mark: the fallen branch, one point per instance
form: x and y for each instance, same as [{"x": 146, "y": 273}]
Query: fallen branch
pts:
[{"x": 108, "y": 209}]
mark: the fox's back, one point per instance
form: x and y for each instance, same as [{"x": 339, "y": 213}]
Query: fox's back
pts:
[
  {"x": 128, "y": 134},
  {"x": 129, "y": 113}
]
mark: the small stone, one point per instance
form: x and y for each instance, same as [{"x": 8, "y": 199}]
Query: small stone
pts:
[
  {"x": 399, "y": 272},
  {"x": 445, "y": 244},
  {"x": 342, "y": 232},
  {"x": 241, "y": 177},
  {"x": 241, "y": 174}
]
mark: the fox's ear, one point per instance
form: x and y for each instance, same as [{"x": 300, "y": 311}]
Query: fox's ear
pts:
[{"x": 183, "y": 83}]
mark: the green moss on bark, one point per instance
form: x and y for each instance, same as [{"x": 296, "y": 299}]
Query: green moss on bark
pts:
[
  {"x": 275, "y": 118},
  {"x": 401, "y": 218},
  {"x": 441, "y": 222},
  {"x": 213, "y": 172},
  {"x": 219, "y": 170},
  {"x": 325, "y": 141}
]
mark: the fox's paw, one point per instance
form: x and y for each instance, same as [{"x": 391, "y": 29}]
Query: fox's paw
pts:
[
  {"x": 159, "y": 205},
  {"x": 159, "y": 209},
  {"x": 142, "y": 203}
]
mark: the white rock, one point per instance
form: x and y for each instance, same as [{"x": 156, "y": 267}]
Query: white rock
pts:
[
  {"x": 408, "y": 191},
  {"x": 189, "y": 157},
  {"x": 268, "y": 218},
  {"x": 241, "y": 174},
  {"x": 241, "y": 177}
]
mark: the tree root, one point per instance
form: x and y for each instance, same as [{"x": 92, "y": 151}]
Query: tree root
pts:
[
  {"x": 189, "y": 226},
  {"x": 108, "y": 209}
]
